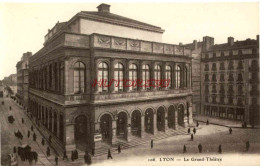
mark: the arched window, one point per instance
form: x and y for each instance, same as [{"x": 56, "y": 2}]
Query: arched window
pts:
[
  {"x": 240, "y": 89},
  {"x": 206, "y": 67},
  {"x": 79, "y": 77},
  {"x": 222, "y": 89},
  {"x": 214, "y": 67},
  {"x": 222, "y": 100},
  {"x": 222, "y": 77},
  {"x": 239, "y": 77},
  {"x": 185, "y": 81},
  {"x": 133, "y": 76},
  {"x": 206, "y": 77},
  {"x": 222, "y": 66},
  {"x": 157, "y": 75},
  {"x": 178, "y": 77},
  {"x": 214, "y": 78},
  {"x": 118, "y": 77},
  {"x": 240, "y": 65},
  {"x": 146, "y": 77},
  {"x": 103, "y": 77},
  {"x": 230, "y": 77},
  {"x": 230, "y": 100},
  {"x": 222, "y": 54},
  {"x": 230, "y": 90},
  {"x": 214, "y": 89},
  {"x": 230, "y": 65},
  {"x": 206, "y": 89},
  {"x": 168, "y": 76}
]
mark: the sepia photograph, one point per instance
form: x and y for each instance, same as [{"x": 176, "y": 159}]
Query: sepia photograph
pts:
[{"x": 110, "y": 83}]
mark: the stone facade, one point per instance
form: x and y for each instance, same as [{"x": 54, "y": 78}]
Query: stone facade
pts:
[
  {"x": 77, "y": 112},
  {"x": 230, "y": 80},
  {"x": 23, "y": 80}
]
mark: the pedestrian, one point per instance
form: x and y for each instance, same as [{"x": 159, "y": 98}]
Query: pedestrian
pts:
[
  {"x": 207, "y": 122},
  {"x": 86, "y": 158},
  {"x": 230, "y": 130},
  {"x": 184, "y": 149},
  {"x": 197, "y": 124},
  {"x": 10, "y": 108},
  {"x": 72, "y": 155},
  {"x": 48, "y": 152},
  {"x": 32, "y": 127},
  {"x": 28, "y": 133},
  {"x": 65, "y": 155},
  {"x": 194, "y": 131},
  {"x": 200, "y": 148},
  {"x": 191, "y": 137},
  {"x": 22, "y": 121},
  {"x": 56, "y": 159},
  {"x": 14, "y": 149},
  {"x": 93, "y": 152},
  {"x": 43, "y": 142},
  {"x": 247, "y": 145},
  {"x": 34, "y": 137},
  {"x": 89, "y": 159},
  {"x": 50, "y": 138},
  {"x": 76, "y": 154},
  {"x": 189, "y": 130},
  {"x": 119, "y": 148},
  {"x": 219, "y": 149},
  {"x": 109, "y": 154},
  {"x": 151, "y": 143}
]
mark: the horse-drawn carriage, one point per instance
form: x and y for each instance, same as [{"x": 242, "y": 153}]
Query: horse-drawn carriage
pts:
[
  {"x": 25, "y": 153},
  {"x": 11, "y": 119}
]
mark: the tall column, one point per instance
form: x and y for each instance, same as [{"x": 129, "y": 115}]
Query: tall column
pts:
[
  {"x": 111, "y": 88},
  {"x": 126, "y": 77},
  {"x": 166, "y": 127},
  {"x": 176, "y": 120},
  {"x": 69, "y": 135},
  {"x": 190, "y": 114},
  {"x": 142, "y": 126},
  {"x": 155, "y": 130},
  {"x": 153, "y": 84},
  {"x": 58, "y": 125},
  {"x": 140, "y": 75},
  {"x": 129, "y": 135},
  {"x": 114, "y": 139}
]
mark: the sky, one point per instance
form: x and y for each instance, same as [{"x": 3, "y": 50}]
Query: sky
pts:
[{"x": 24, "y": 25}]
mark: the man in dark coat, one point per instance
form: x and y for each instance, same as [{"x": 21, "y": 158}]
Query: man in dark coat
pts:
[
  {"x": 197, "y": 124},
  {"x": 86, "y": 158},
  {"x": 56, "y": 160},
  {"x": 28, "y": 133},
  {"x": 34, "y": 136},
  {"x": 247, "y": 145},
  {"x": 191, "y": 137},
  {"x": 32, "y": 127},
  {"x": 200, "y": 148},
  {"x": 22, "y": 121},
  {"x": 184, "y": 149},
  {"x": 194, "y": 131},
  {"x": 43, "y": 142},
  {"x": 119, "y": 148},
  {"x": 109, "y": 154},
  {"x": 10, "y": 108},
  {"x": 207, "y": 123},
  {"x": 230, "y": 130},
  {"x": 151, "y": 143},
  {"x": 65, "y": 155},
  {"x": 219, "y": 149},
  {"x": 93, "y": 152},
  {"x": 189, "y": 130},
  {"x": 48, "y": 152}
]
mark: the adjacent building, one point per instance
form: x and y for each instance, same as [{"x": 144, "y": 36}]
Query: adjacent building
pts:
[
  {"x": 23, "y": 80},
  {"x": 76, "y": 89},
  {"x": 230, "y": 80}
]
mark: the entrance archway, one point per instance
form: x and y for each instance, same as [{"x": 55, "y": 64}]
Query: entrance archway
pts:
[
  {"x": 82, "y": 131},
  {"x": 136, "y": 123},
  {"x": 171, "y": 117},
  {"x": 106, "y": 128},
  {"x": 149, "y": 120},
  {"x": 121, "y": 125},
  {"x": 181, "y": 115},
  {"x": 161, "y": 119}
]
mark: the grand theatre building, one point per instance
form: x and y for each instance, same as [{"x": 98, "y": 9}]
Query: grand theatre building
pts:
[{"x": 68, "y": 100}]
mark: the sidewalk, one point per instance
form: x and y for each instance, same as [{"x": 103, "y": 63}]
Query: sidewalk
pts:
[{"x": 221, "y": 122}]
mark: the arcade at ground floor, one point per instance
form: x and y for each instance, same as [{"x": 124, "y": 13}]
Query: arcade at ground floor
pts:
[{"x": 89, "y": 126}]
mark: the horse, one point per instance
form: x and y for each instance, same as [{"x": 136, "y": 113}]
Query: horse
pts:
[
  {"x": 23, "y": 152},
  {"x": 32, "y": 156}
]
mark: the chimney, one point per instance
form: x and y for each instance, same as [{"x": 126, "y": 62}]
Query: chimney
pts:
[
  {"x": 180, "y": 44},
  {"x": 257, "y": 38},
  {"x": 104, "y": 8},
  {"x": 230, "y": 41},
  {"x": 195, "y": 44},
  {"x": 207, "y": 43}
]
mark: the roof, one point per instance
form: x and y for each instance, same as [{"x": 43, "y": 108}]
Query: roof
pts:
[
  {"x": 237, "y": 44},
  {"x": 115, "y": 17}
]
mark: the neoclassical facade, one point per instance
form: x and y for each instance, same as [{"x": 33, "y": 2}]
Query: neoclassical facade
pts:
[
  {"x": 230, "y": 80},
  {"x": 73, "y": 96}
]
